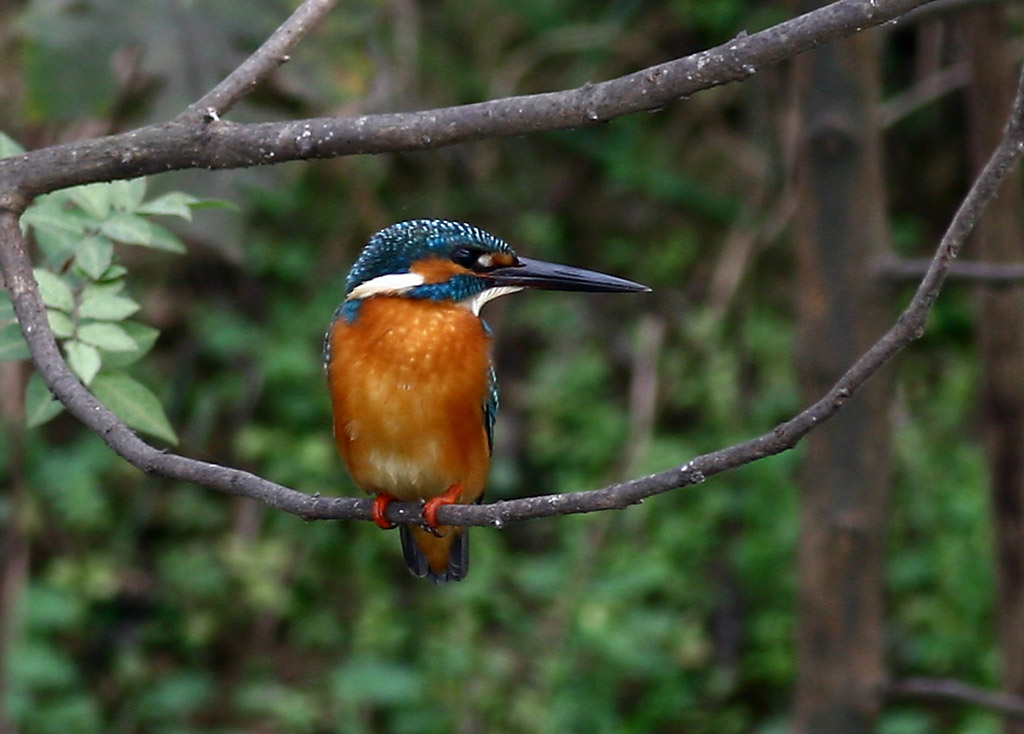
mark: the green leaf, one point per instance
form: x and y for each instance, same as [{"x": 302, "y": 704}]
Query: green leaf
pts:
[
  {"x": 106, "y": 336},
  {"x": 134, "y": 404},
  {"x": 42, "y": 666},
  {"x": 173, "y": 204},
  {"x": 57, "y": 246},
  {"x": 93, "y": 199},
  {"x": 164, "y": 239},
  {"x": 377, "y": 681},
  {"x": 12, "y": 344},
  {"x": 215, "y": 204},
  {"x": 40, "y": 405},
  {"x": 9, "y": 146},
  {"x": 56, "y": 228},
  {"x": 60, "y": 324},
  {"x": 114, "y": 272},
  {"x": 104, "y": 307},
  {"x": 176, "y": 695},
  {"x": 93, "y": 256},
  {"x": 83, "y": 359},
  {"x": 48, "y": 212},
  {"x": 127, "y": 195},
  {"x": 102, "y": 288},
  {"x": 128, "y": 228},
  {"x": 55, "y": 292},
  {"x": 49, "y": 609},
  {"x": 145, "y": 337}
]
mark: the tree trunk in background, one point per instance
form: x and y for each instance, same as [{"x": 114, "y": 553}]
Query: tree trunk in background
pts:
[
  {"x": 998, "y": 238},
  {"x": 841, "y": 229},
  {"x": 14, "y": 539}
]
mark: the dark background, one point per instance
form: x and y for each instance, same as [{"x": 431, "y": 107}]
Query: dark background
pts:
[{"x": 134, "y": 604}]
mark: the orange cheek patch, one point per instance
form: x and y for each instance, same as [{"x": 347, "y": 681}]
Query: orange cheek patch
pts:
[{"x": 437, "y": 270}]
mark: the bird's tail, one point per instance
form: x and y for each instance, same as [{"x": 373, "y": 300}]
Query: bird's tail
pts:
[{"x": 438, "y": 558}]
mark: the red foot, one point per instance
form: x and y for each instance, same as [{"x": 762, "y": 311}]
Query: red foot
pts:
[
  {"x": 380, "y": 508},
  {"x": 450, "y": 497}
]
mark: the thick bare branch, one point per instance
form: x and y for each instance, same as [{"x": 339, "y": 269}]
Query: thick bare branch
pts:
[
  {"x": 261, "y": 64},
  {"x": 208, "y": 143}
]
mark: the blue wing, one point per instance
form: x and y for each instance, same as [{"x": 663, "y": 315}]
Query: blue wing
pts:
[{"x": 491, "y": 409}]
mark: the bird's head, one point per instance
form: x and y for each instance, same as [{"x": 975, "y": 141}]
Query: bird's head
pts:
[{"x": 450, "y": 261}]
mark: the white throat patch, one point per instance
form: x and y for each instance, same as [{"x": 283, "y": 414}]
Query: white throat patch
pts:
[
  {"x": 386, "y": 285},
  {"x": 477, "y": 302}
]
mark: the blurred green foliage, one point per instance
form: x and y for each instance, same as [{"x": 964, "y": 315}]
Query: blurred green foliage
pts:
[
  {"x": 82, "y": 285},
  {"x": 144, "y": 605}
]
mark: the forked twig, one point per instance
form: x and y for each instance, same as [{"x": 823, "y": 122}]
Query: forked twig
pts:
[{"x": 270, "y": 55}]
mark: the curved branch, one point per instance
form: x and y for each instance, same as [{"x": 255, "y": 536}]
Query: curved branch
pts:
[
  {"x": 28, "y": 305},
  {"x": 205, "y": 142},
  {"x": 31, "y": 313},
  {"x": 985, "y": 273},
  {"x": 270, "y": 55},
  {"x": 178, "y": 145},
  {"x": 955, "y": 691}
]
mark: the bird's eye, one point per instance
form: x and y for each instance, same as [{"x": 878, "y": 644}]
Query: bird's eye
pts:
[
  {"x": 467, "y": 257},
  {"x": 480, "y": 260}
]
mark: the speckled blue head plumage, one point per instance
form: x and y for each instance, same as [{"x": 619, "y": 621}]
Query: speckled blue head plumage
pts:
[
  {"x": 488, "y": 268},
  {"x": 395, "y": 249}
]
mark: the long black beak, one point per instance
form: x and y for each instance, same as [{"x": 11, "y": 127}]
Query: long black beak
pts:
[{"x": 529, "y": 273}]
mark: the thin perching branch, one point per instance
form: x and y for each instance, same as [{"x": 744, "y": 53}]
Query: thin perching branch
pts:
[
  {"x": 993, "y": 274},
  {"x": 924, "y": 93},
  {"x": 218, "y": 144},
  {"x": 955, "y": 691},
  {"x": 17, "y": 269}
]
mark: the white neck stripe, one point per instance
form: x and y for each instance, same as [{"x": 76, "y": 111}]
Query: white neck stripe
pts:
[
  {"x": 386, "y": 285},
  {"x": 477, "y": 302}
]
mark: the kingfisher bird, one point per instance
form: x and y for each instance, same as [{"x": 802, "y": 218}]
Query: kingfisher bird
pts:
[{"x": 408, "y": 363}]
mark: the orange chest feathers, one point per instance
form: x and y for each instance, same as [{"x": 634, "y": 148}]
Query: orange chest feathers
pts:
[{"x": 408, "y": 381}]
